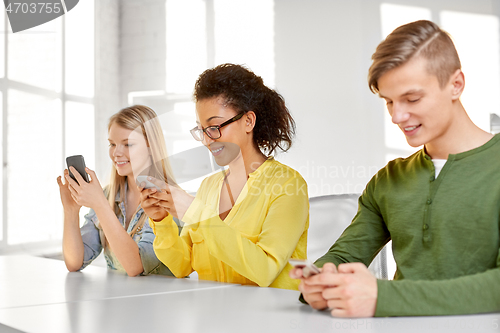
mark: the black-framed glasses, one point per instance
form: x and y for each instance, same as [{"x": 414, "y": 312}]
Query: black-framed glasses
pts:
[{"x": 213, "y": 132}]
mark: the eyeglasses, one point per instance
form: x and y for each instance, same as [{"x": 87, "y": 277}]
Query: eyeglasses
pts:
[{"x": 213, "y": 132}]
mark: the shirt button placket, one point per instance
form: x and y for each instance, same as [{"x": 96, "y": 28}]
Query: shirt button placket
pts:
[{"x": 425, "y": 227}]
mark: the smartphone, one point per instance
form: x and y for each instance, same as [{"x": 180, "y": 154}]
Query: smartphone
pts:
[
  {"x": 78, "y": 163},
  {"x": 144, "y": 179},
  {"x": 308, "y": 267}
]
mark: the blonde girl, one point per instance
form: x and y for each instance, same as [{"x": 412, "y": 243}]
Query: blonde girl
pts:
[{"x": 116, "y": 221}]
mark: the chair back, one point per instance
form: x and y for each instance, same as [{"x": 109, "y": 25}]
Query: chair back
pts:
[{"x": 329, "y": 215}]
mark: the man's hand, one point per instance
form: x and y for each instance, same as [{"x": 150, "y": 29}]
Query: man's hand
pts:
[
  {"x": 313, "y": 293},
  {"x": 352, "y": 292}
]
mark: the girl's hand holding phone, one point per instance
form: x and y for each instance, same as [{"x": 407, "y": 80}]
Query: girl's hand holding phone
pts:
[
  {"x": 69, "y": 205},
  {"x": 86, "y": 194}
]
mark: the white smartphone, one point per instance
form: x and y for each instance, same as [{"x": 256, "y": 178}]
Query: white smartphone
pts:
[
  {"x": 141, "y": 179},
  {"x": 308, "y": 267}
]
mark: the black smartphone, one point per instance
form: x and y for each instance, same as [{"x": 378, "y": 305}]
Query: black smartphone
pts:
[{"x": 78, "y": 163}]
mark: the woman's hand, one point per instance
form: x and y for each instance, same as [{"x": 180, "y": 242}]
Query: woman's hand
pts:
[
  {"x": 83, "y": 193},
  {"x": 150, "y": 205},
  {"x": 171, "y": 199},
  {"x": 69, "y": 205}
]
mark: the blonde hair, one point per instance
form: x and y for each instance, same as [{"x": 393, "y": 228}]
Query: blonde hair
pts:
[
  {"x": 417, "y": 39},
  {"x": 144, "y": 119}
]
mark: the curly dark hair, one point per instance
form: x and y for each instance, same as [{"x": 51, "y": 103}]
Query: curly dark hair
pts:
[{"x": 244, "y": 91}]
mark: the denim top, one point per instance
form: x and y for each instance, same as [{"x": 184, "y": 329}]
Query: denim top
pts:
[{"x": 144, "y": 238}]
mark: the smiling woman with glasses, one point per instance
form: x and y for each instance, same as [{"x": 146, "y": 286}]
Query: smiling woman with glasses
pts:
[
  {"x": 213, "y": 132},
  {"x": 247, "y": 221}
]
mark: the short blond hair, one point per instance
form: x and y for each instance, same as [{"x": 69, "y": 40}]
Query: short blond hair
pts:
[{"x": 417, "y": 39}]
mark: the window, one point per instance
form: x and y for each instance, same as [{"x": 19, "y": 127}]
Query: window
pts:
[
  {"x": 476, "y": 37},
  {"x": 202, "y": 34},
  {"x": 46, "y": 95}
]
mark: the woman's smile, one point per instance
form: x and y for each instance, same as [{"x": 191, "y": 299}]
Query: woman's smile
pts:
[{"x": 216, "y": 151}]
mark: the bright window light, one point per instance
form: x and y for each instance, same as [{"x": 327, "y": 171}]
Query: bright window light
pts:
[
  {"x": 79, "y": 123},
  {"x": 79, "y": 48},
  {"x": 186, "y": 44},
  {"x": 476, "y": 38},
  {"x": 35, "y": 57},
  {"x": 393, "y": 16},
  {"x": 240, "y": 38},
  {"x": 35, "y": 148},
  {"x": 34, "y": 154}
]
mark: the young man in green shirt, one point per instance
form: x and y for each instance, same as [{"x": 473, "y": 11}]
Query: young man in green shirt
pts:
[{"x": 440, "y": 206}]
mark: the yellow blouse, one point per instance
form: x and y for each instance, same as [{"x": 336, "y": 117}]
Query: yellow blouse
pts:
[{"x": 267, "y": 226}]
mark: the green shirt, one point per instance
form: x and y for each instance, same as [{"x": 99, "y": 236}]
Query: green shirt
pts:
[{"x": 444, "y": 231}]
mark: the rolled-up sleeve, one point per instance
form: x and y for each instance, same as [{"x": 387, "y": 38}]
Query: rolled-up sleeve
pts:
[{"x": 91, "y": 240}]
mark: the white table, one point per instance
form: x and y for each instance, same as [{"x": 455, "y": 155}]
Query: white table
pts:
[
  {"x": 210, "y": 307},
  {"x": 27, "y": 280}
]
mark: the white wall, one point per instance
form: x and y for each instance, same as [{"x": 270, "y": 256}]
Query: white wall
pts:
[
  {"x": 322, "y": 54},
  {"x": 107, "y": 77}
]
